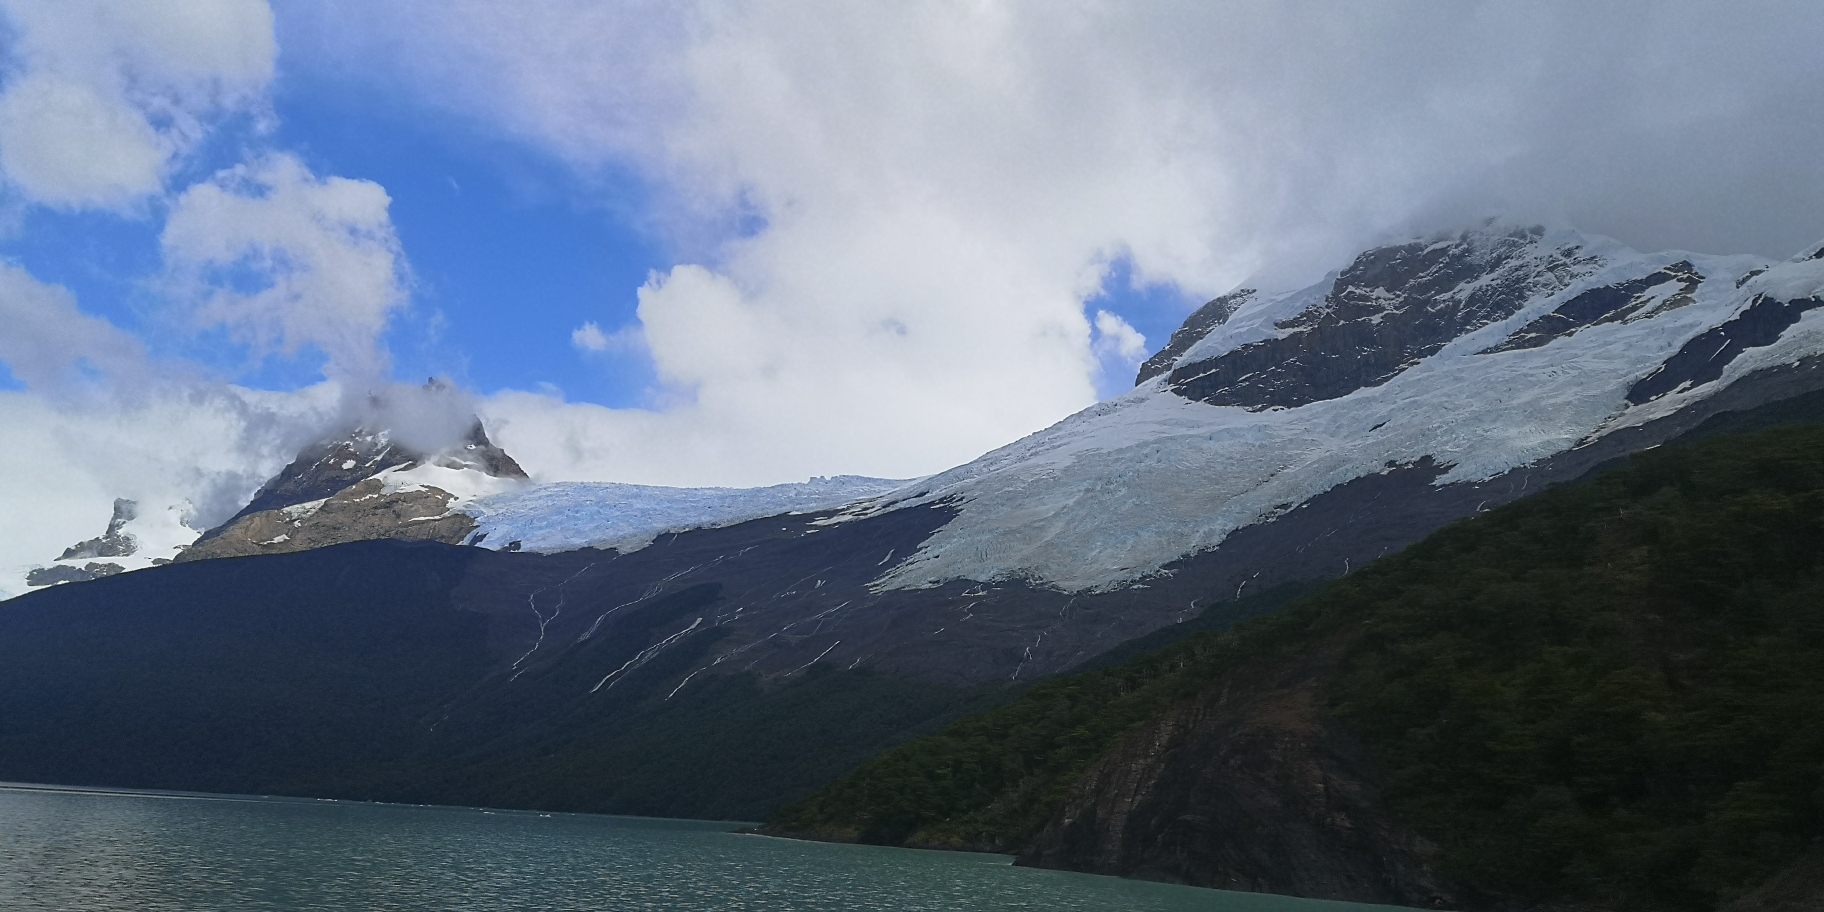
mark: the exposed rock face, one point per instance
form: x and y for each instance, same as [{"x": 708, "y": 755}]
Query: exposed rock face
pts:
[
  {"x": 1393, "y": 307},
  {"x": 1624, "y": 302},
  {"x": 114, "y": 542},
  {"x": 63, "y": 573},
  {"x": 1247, "y": 788},
  {"x": 362, "y": 512},
  {"x": 1703, "y": 359},
  {"x": 331, "y": 494},
  {"x": 325, "y": 468},
  {"x": 1195, "y": 327}
]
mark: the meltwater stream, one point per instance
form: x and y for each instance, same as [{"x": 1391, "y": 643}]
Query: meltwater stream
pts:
[{"x": 63, "y": 849}]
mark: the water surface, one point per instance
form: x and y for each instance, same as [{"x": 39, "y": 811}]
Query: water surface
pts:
[{"x": 64, "y": 849}]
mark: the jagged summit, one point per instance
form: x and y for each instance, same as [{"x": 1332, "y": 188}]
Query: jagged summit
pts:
[
  {"x": 1388, "y": 310},
  {"x": 364, "y": 484},
  {"x": 1451, "y": 373},
  {"x": 135, "y": 538},
  {"x": 329, "y": 466},
  {"x": 113, "y": 543}
]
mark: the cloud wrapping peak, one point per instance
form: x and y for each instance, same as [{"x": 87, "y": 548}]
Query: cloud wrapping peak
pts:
[{"x": 101, "y": 99}]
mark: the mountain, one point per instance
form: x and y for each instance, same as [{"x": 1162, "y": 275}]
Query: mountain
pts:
[
  {"x": 1280, "y": 437},
  {"x": 360, "y": 487},
  {"x": 1600, "y": 697}
]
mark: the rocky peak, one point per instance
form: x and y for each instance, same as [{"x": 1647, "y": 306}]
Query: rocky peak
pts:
[
  {"x": 347, "y": 487},
  {"x": 1196, "y": 326},
  {"x": 330, "y": 466},
  {"x": 1391, "y": 308},
  {"x": 112, "y": 543}
]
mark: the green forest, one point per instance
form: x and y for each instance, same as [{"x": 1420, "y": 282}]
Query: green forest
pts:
[{"x": 1604, "y": 694}]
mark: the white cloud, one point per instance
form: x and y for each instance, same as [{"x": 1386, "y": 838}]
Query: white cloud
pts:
[
  {"x": 589, "y": 337},
  {"x": 203, "y": 449},
  {"x": 283, "y": 259},
  {"x": 938, "y": 187},
  {"x": 1115, "y": 337},
  {"x": 101, "y": 99},
  {"x": 54, "y": 348}
]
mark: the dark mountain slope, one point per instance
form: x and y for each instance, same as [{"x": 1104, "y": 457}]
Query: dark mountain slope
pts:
[
  {"x": 1603, "y": 695},
  {"x": 370, "y": 671}
]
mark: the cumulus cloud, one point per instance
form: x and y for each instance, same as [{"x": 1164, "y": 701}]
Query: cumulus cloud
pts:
[
  {"x": 283, "y": 259},
  {"x": 101, "y": 99},
  {"x": 589, "y": 337},
  {"x": 100, "y": 103},
  {"x": 1114, "y": 337}
]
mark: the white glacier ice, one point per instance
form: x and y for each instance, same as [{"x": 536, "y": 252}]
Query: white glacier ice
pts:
[
  {"x": 1118, "y": 490},
  {"x": 565, "y": 516}
]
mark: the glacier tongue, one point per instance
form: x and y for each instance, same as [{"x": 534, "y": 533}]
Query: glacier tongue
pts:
[
  {"x": 1116, "y": 492},
  {"x": 564, "y": 516}
]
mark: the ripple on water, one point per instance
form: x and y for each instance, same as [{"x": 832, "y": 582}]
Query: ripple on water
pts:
[{"x": 75, "y": 851}]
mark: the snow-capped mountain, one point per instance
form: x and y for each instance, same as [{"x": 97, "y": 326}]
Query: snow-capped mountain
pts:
[
  {"x": 1276, "y": 437},
  {"x": 360, "y": 486},
  {"x": 1470, "y": 358},
  {"x": 136, "y": 538}
]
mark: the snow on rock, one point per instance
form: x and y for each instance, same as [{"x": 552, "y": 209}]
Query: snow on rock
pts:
[
  {"x": 569, "y": 515},
  {"x": 157, "y": 534},
  {"x": 1117, "y": 491},
  {"x": 463, "y": 483}
]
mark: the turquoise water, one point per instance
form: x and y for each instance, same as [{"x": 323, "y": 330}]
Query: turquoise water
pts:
[{"x": 101, "y": 850}]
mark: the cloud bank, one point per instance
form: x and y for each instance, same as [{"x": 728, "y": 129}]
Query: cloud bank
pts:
[
  {"x": 102, "y": 99},
  {"x": 891, "y": 215}
]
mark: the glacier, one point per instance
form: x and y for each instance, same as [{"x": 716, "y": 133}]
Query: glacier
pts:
[
  {"x": 565, "y": 516},
  {"x": 1114, "y": 493}
]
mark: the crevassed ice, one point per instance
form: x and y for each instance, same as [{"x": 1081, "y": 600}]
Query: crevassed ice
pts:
[
  {"x": 1117, "y": 491},
  {"x": 565, "y": 516}
]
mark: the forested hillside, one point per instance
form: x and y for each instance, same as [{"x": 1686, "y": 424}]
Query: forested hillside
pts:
[{"x": 1605, "y": 694}]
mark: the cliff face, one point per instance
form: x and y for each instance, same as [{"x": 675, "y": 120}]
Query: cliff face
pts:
[{"x": 1251, "y": 787}]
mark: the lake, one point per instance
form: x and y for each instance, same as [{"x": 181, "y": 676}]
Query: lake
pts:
[{"x": 81, "y": 849}]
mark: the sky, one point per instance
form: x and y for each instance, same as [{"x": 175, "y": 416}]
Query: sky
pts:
[{"x": 714, "y": 243}]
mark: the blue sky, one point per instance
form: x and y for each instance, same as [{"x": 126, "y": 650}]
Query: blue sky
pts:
[{"x": 510, "y": 249}]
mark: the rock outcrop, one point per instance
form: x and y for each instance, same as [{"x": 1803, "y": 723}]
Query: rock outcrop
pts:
[
  {"x": 114, "y": 542},
  {"x": 360, "y": 512},
  {"x": 1250, "y": 787},
  {"x": 339, "y": 491},
  {"x": 64, "y": 573}
]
